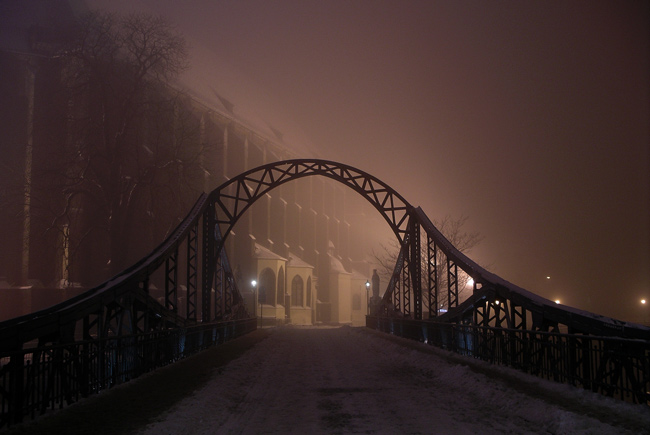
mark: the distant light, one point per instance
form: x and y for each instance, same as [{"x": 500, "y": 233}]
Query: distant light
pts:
[
  {"x": 496, "y": 302},
  {"x": 557, "y": 301},
  {"x": 643, "y": 301},
  {"x": 254, "y": 283},
  {"x": 367, "y": 284},
  {"x": 548, "y": 277}
]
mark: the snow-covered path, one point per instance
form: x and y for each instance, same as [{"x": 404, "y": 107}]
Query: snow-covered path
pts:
[{"x": 350, "y": 380}]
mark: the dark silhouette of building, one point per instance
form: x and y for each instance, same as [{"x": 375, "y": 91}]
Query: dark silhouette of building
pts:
[{"x": 306, "y": 243}]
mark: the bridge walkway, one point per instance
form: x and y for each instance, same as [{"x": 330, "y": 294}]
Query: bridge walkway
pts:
[{"x": 340, "y": 380}]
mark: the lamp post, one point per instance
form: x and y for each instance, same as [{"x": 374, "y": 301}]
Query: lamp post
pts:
[
  {"x": 257, "y": 297},
  {"x": 644, "y": 302},
  {"x": 367, "y": 297}
]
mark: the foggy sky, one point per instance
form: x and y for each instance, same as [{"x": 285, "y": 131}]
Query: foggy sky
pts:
[{"x": 531, "y": 118}]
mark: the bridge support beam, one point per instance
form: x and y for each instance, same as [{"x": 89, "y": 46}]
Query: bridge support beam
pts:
[
  {"x": 415, "y": 267},
  {"x": 171, "y": 282},
  {"x": 192, "y": 271},
  {"x": 452, "y": 284},
  {"x": 432, "y": 277},
  {"x": 209, "y": 260}
]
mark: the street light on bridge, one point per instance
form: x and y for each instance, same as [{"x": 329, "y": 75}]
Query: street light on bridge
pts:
[
  {"x": 257, "y": 296},
  {"x": 367, "y": 296}
]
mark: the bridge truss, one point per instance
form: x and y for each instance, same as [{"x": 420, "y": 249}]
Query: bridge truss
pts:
[
  {"x": 505, "y": 324},
  {"x": 118, "y": 330}
]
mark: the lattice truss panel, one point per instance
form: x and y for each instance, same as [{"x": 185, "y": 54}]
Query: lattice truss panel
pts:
[
  {"x": 192, "y": 262},
  {"x": 425, "y": 281},
  {"x": 428, "y": 281},
  {"x": 234, "y": 197},
  {"x": 130, "y": 303},
  {"x": 431, "y": 278}
]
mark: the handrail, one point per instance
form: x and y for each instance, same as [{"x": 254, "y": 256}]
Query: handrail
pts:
[{"x": 27, "y": 326}]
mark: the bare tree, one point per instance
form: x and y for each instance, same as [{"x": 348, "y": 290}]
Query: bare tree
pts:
[
  {"x": 452, "y": 229},
  {"x": 131, "y": 151}
]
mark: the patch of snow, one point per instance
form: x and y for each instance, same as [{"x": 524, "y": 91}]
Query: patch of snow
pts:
[{"x": 352, "y": 380}]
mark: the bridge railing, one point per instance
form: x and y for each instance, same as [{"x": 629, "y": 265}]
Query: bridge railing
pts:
[
  {"x": 615, "y": 367},
  {"x": 36, "y": 380}
]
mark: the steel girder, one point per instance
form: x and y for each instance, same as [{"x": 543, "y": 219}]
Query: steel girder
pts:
[
  {"x": 123, "y": 305},
  {"x": 432, "y": 277},
  {"x": 171, "y": 282},
  {"x": 215, "y": 214},
  {"x": 391, "y": 301},
  {"x": 521, "y": 309},
  {"x": 506, "y": 324},
  {"x": 227, "y": 299},
  {"x": 235, "y": 196},
  {"x": 518, "y": 308},
  {"x": 414, "y": 270},
  {"x": 404, "y": 290},
  {"x": 46, "y": 356}
]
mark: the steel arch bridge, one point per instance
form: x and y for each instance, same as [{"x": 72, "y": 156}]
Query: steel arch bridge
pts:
[{"x": 118, "y": 330}]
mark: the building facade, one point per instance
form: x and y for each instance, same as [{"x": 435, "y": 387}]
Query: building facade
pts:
[{"x": 307, "y": 244}]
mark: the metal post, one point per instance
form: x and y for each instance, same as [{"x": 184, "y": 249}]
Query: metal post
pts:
[
  {"x": 26, "y": 237},
  {"x": 209, "y": 260},
  {"x": 367, "y": 297},
  {"x": 415, "y": 266}
]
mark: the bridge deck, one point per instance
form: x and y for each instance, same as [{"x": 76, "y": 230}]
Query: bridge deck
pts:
[{"x": 341, "y": 380}]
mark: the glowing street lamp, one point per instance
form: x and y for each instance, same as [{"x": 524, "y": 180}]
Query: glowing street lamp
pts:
[
  {"x": 257, "y": 296},
  {"x": 367, "y": 297},
  {"x": 557, "y": 301}
]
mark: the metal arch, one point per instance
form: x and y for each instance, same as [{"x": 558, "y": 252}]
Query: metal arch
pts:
[
  {"x": 122, "y": 309},
  {"x": 228, "y": 202},
  {"x": 235, "y": 196}
]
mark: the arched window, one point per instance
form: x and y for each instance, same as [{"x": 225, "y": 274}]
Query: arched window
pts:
[
  {"x": 281, "y": 286},
  {"x": 297, "y": 291},
  {"x": 309, "y": 291},
  {"x": 266, "y": 287}
]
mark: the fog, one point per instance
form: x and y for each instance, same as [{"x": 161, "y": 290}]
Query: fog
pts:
[{"x": 531, "y": 118}]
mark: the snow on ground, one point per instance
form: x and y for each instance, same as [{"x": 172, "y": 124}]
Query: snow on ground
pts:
[{"x": 351, "y": 380}]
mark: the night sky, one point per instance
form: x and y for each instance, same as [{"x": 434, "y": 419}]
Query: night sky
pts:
[{"x": 531, "y": 118}]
